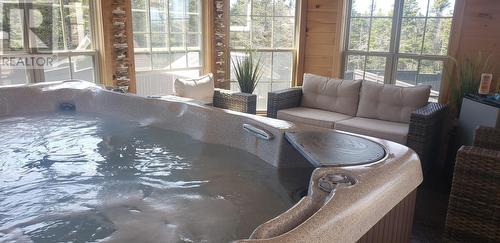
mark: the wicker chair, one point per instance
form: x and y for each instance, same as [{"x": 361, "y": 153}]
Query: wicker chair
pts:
[
  {"x": 426, "y": 123},
  {"x": 474, "y": 206}
]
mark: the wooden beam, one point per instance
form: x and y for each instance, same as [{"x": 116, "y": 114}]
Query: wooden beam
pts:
[
  {"x": 105, "y": 40},
  {"x": 208, "y": 37},
  {"x": 103, "y": 27},
  {"x": 301, "y": 32},
  {"x": 218, "y": 42}
]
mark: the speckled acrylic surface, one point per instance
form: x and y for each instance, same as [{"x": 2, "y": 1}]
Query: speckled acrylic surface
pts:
[{"x": 344, "y": 216}]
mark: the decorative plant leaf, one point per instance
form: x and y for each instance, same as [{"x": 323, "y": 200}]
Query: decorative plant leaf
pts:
[{"x": 248, "y": 71}]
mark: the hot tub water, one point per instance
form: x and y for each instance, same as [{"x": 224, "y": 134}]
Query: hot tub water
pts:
[{"x": 78, "y": 177}]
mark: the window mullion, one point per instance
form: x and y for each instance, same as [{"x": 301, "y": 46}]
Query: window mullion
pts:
[
  {"x": 396, "y": 38},
  {"x": 272, "y": 47},
  {"x": 423, "y": 43},
  {"x": 370, "y": 28},
  {"x": 347, "y": 32},
  {"x": 425, "y": 28},
  {"x": 169, "y": 30},
  {"x": 150, "y": 35},
  {"x": 30, "y": 73},
  {"x": 26, "y": 39},
  {"x": 70, "y": 62},
  {"x": 94, "y": 44},
  {"x": 250, "y": 42},
  {"x": 369, "y": 39},
  {"x": 418, "y": 71},
  {"x": 185, "y": 31},
  {"x": 63, "y": 24},
  {"x": 272, "y": 28}
]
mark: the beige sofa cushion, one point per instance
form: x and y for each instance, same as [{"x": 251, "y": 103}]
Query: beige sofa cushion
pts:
[
  {"x": 201, "y": 88},
  {"x": 390, "y": 102},
  {"x": 393, "y": 131},
  {"x": 330, "y": 94},
  {"x": 311, "y": 116}
]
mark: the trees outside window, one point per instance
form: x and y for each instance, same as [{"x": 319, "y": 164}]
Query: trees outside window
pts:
[
  {"x": 63, "y": 39},
  {"x": 168, "y": 36},
  {"x": 268, "y": 27},
  {"x": 398, "y": 42}
]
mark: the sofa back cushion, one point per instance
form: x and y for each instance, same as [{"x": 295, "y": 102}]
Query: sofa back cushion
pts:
[
  {"x": 201, "y": 88},
  {"x": 390, "y": 102},
  {"x": 330, "y": 94}
]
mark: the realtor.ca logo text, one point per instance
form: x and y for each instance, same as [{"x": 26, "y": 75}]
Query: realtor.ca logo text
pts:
[
  {"x": 39, "y": 31},
  {"x": 28, "y": 61}
]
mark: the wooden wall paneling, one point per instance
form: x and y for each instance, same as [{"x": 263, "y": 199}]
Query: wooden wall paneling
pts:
[
  {"x": 323, "y": 37},
  {"x": 481, "y": 31},
  {"x": 476, "y": 28}
]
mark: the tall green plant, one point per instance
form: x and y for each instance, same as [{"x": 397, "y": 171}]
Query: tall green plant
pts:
[
  {"x": 248, "y": 71},
  {"x": 464, "y": 76}
]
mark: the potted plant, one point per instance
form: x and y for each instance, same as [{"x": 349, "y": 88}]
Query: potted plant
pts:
[
  {"x": 248, "y": 71},
  {"x": 464, "y": 76}
]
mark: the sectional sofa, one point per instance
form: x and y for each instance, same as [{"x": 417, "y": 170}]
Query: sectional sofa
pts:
[{"x": 399, "y": 114}]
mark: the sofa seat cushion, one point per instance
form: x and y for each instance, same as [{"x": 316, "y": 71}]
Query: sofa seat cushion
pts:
[
  {"x": 390, "y": 102},
  {"x": 330, "y": 94},
  {"x": 309, "y": 116},
  {"x": 393, "y": 131}
]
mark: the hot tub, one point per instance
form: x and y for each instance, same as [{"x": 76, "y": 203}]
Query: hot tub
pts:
[{"x": 342, "y": 202}]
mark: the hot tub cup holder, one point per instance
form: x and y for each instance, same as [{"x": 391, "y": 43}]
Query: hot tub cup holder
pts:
[{"x": 330, "y": 182}]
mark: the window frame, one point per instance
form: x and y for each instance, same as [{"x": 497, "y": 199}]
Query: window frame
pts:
[
  {"x": 393, "y": 55},
  {"x": 149, "y": 50},
  {"x": 271, "y": 50},
  {"x": 38, "y": 75}
]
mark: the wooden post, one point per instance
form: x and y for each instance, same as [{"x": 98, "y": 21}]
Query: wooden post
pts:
[
  {"x": 301, "y": 31},
  {"x": 112, "y": 57},
  {"x": 216, "y": 41},
  {"x": 208, "y": 40}
]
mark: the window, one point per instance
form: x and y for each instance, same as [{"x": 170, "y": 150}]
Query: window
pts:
[
  {"x": 167, "y": 36},
  {"x": 269, "y": 28},
  {"x": 57, "y": 34},
  {"x": 402, "y": 42}
]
